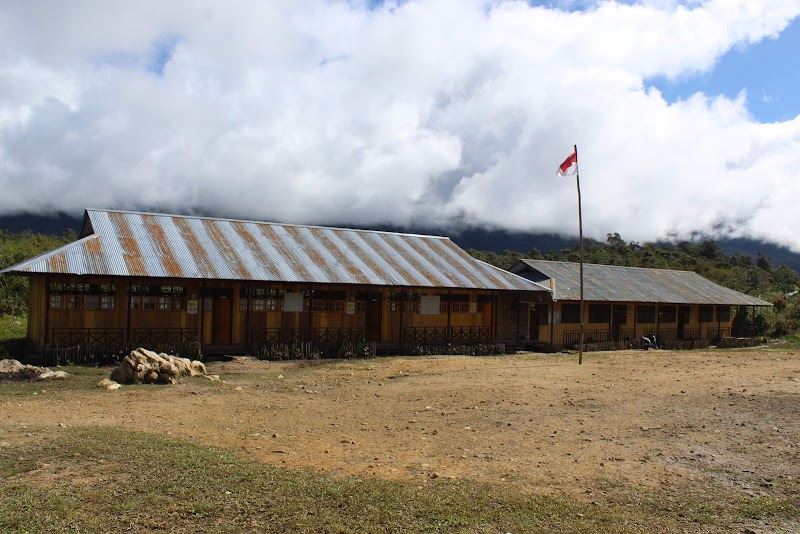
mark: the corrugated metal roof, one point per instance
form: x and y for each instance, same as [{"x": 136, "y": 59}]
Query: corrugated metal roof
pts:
[
  {"x": 612, "y": 283},
  {"x": 119, "y": 243}
]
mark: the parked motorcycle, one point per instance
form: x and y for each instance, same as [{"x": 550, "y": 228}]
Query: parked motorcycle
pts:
[{"x": 649, "y": 342}]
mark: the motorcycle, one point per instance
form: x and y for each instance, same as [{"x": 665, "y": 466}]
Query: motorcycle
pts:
[{"x": 649, "y": 342}]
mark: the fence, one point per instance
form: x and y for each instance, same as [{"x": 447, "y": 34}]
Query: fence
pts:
[{"x": 108, "y": 345}]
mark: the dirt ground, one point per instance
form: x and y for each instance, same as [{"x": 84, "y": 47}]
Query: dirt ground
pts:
[{"x": 539, "y": 422}]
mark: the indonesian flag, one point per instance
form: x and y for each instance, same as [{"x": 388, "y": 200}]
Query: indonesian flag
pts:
[{"x": 570, "y": 165}]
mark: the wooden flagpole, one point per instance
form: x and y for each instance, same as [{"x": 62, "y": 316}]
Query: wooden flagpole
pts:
[{"x": 580, "y": 246}]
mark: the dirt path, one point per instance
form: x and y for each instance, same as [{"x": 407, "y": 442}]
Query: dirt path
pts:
[{"x": 539, "y": 422}]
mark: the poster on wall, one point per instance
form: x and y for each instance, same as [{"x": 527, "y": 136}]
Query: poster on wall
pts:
[
  {"x": 473, "y": 307},
  {"x": 351, "y": 308},
  {"x": 293, "y": 302},
  {"x": 429, "y": 304},
  {"x": 191, "y": 306}
]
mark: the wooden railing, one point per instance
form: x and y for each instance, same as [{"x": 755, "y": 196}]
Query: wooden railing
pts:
[
  {"x": 260, "y": 337},
  {"x": 67, "y": 337},
  {"x": 425, "y": 334},
  {"x": 107, "y": 345},
  {"x": 469, "y": 334},
  {"x": 338, "y": 335},
  {"x": 163, "y": 337}
]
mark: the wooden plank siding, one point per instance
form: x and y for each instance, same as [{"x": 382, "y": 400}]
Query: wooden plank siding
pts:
[
  {"x": 464, "y": 316},
  {"x": 558, "y": 333}
]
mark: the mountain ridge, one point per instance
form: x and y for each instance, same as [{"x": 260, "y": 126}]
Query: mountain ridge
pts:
[{"x": 470, "y": 238}]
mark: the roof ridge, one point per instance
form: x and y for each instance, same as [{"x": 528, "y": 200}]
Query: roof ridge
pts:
[
  {"x": 225, "y": 219},
  {"x": 616, "y": 266}
]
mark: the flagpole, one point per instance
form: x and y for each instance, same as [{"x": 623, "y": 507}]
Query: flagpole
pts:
[{"x": 580, "y": 246}]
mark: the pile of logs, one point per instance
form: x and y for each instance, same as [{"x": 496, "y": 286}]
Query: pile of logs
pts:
[
  {"x": 146, "y": 367},
  {"x": 14, "y": 370}
]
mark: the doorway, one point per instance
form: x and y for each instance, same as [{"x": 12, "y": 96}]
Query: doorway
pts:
[
  {"x": 372, "y": 317},
  {"x": 619, "y": 316},
  {"x": 533, "y": 323},
  {"x": 221, "y": 301}
]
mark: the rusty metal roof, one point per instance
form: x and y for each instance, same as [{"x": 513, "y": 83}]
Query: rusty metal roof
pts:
[
  {"x": 119, "y": 243},
  {"x": 612, "y": 283}
]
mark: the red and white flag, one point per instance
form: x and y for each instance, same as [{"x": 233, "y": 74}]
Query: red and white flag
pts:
[{"x": 570, "y": 165}]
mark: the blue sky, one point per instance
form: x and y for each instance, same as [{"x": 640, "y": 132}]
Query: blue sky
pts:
[{"x": 769, "y": 72}]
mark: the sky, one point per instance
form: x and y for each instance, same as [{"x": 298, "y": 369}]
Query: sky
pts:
[{"x": 432, "y": 113}]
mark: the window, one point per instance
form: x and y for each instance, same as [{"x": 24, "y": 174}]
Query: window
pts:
[
  {"x": 723, "y": 314},
  {"x": 164, "y": 303},
  {"x": 339, "y": 306},
  {"x": 148, "y": 303},
  {"x": 136, "y": 303},
  {"x": 481, "y": 307},
  {"x": 571, "y": 313},
  {"x": 316, "y": 306},
  {"x": 107, "y": 302},
  {"x": 361, "y": 306},
  {"x": 412, "y": 306},
  {"x": 57, "y": 302},
  {"x": 91, "y": 302},
  {"x": 80, "y": 296},
  {"x": 392, "y": 306},
  {"x": 646, "y": 314},
  {"x": 243, "y": 304},
  {"x": 274, "y": 304},
  {"x": 542, "y": 309},
  {"x": 327, "y": 306},
  {"x": 706, "y": 314},
  {"x": 666, "y": 314},
  {"x": 258, "y": 304},
  {"x": 599, "y": 313},
  {"x": 459, "y": 307}
]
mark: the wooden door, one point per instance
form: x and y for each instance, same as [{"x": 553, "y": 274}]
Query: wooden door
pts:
[
  {"x": 221, "y": 323},
  {"x": 683, "y": 318},
  {"x": 533, "y": 324},
  {"x": 619, "y": 316},
  {"x": 372, "y": 319}
]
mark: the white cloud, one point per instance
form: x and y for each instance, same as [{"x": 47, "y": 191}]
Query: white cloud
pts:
[{"x": 419, "y": 112}]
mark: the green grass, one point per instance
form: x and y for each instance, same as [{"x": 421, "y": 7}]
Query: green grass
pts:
[
  {"x": 13, "y": 327},
  {"x": 105, "y": 479},
  {"x": 93, "y": 479}
]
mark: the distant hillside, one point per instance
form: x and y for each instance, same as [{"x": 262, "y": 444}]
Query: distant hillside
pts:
[
  {"x": 475, "y": 238},
  {"x": 41, "y": 224}
]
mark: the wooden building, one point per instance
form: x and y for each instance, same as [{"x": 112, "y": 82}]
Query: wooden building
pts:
[
  {"x": 622, "y": 304},
  {"x": 170, "y": 282}
]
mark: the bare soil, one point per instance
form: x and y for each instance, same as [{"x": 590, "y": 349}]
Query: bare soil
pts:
[{"x": 541, "y": 423}]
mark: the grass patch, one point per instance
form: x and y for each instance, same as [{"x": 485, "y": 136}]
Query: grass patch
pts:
[
  {"x": 101, "y": 479},
  {"x": 13, "y": 327},
  {"x": 106, "y": 479}
]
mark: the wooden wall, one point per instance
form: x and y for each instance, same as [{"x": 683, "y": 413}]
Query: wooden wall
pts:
[
  {"x": 198, "y": 300},
  {"x": 632, "y": 327}
]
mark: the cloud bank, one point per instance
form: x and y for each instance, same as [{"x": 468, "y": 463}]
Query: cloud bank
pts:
[{"x": 419, "y": 113}]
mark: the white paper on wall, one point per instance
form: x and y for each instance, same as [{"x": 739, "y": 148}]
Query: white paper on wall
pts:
[
  {"x": 429, "y": 304},
  {"x": 292, "y": 302}
]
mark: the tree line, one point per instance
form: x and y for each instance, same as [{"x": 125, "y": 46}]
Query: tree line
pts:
[
  {"x": 15, "y": 248},
  {"x": 756, "y": 276}
]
